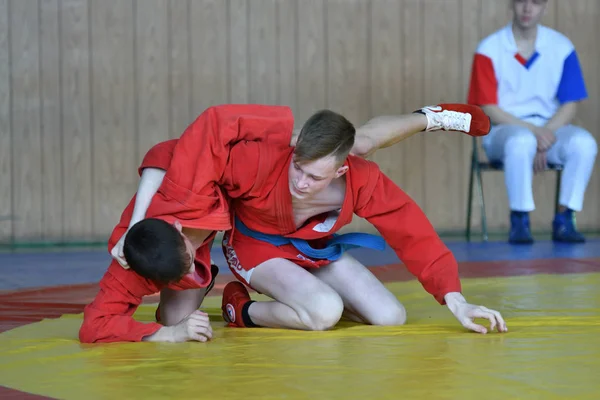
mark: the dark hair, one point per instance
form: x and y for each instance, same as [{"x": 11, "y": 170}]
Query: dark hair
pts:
[
  {"x": 325, "y": 133},
  {"x": 156, "y": 250}
]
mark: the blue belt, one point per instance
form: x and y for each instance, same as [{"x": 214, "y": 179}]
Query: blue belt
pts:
[{"x": 334, "y": 247}]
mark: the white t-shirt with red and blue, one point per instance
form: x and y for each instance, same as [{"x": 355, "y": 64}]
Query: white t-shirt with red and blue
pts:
[{"x": 531, "y": 90}]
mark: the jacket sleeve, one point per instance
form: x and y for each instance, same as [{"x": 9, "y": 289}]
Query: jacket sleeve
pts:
[
  {"x": 407, "y": 230},
  {"x": 243, "y": 174},
  {"x": 159, "y": 156},
  {"x": 109, "y": 318},
  {"x": 483, "y": 85}
]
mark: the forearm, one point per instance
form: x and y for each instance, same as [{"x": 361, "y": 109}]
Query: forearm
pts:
[
  {"x": 385, "y": 131},
  {"x": 563, "y": 116},
  {"x": 453, "y": 300},
  {"x": 100, "y": 326},
  {"x": 499, "y": 116},
  {"x": 149, "y": 183}
]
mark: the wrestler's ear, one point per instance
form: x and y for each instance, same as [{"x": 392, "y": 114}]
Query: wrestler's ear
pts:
[
  {"x": 341, "y": 171},
  {"x": 177, "y": 225}
]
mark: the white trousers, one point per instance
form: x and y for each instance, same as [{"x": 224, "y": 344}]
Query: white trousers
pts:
[{"x": 575, "y": 149}]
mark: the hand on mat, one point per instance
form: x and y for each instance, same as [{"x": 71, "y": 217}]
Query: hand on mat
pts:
[
  {"x": 466, "y": 313},
  {"x": 195, "y": 327},
  {"x": 539, "y": 162},
  {"x": 117, "y": 252}
]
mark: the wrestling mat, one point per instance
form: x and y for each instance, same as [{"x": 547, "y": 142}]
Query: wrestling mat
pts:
[{"x": 552, "y": 351}]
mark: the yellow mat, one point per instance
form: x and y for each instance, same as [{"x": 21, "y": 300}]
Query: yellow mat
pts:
[{"x": 552, "y": 350}]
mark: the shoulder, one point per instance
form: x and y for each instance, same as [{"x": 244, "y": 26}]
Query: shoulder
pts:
[
  {"x": 168, "y": 146},
  {"x": 360, "y": 165},
  {"x": 159, "y": 156},
  {"x": 556, "y": 41},
  {"x": 555, "y": 37},
  {"x": 119, "y": 278},
  {"x": 370, "y": 185},
  {"x": 363, "y": 174},
  {"x": 491, "y": 44}
]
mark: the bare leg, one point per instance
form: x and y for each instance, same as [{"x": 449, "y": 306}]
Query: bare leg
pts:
[
  {"x": 302, "y": 301},
  {"x": 175, "y": 305},
  {"x": 362, "y": 293}
]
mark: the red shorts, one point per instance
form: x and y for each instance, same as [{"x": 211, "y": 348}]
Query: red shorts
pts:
[{"x": 246, "y": 253}]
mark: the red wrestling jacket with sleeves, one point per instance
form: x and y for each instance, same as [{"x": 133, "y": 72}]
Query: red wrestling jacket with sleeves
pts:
[
  {"x": 109, "y": 317},
  {"x": 189, "y": 190},
  {"x": 257, "y": 180}
]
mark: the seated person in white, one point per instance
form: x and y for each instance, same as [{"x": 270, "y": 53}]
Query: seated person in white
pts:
[{"x": 528, "y": 80}]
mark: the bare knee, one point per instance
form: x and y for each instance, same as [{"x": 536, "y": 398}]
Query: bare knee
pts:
[
  {"x": 323, "y": 312},
  {"x": 391, "y": 315}
]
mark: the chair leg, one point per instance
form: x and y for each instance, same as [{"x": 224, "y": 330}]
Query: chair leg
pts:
[
  {"x": 470, "y": 202},
  {"x": 557, "y": 194},
  {"x": 482, "y": 200}
]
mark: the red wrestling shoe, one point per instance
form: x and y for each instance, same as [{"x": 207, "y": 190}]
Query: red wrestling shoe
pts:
[
  {"x": 235, "y": 299},
  {"x": 457, "y": 117}
]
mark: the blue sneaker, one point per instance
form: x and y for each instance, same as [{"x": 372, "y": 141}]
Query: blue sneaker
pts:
[
  {"x": 563, "y": 228},
  {"x": 519, "y": 228}
]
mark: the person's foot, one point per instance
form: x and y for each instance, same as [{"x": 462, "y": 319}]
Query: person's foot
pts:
[
  {"x": 563, "y": 228},
  {"x": 457, "y": 117},
  {"x": 235, "y": 299},
  {"x": 520, "y": 233}
]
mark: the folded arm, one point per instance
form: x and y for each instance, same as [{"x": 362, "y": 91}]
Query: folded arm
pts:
[{"x": 109, "y": 318}]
